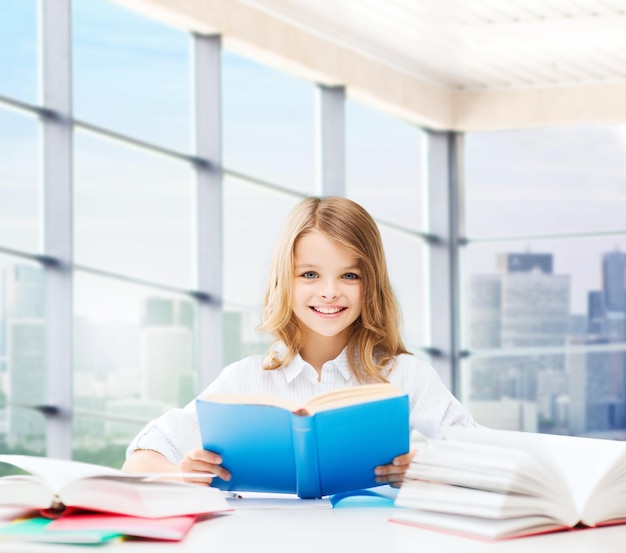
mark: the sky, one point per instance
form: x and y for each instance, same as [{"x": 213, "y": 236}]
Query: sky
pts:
[{"x": 133, "y": 76}]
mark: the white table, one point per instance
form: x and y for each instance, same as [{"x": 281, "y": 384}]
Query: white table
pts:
[{"x": 317, "y": 528}]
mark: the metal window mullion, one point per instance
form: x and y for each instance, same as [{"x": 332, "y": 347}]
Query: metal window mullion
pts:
[
  {"x": 456, "y": 208},
  {"x": 444, "y": 222},
  {"x": 55, "y": 55},
  {"x": 331, "y": 143},
  {"x": 208, "y": 205}
]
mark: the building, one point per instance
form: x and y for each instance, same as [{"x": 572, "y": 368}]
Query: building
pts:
[
  {"x": 524, "y": 306},
  {"x": 25, "y": 341},
  {"x": 614, "y": 280}
]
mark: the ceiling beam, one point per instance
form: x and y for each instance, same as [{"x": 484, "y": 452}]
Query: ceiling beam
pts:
[
  {"x": 281, "y": 44},
  {"x": 540, "y": 107},
  {"x": 288, "y": 47}
]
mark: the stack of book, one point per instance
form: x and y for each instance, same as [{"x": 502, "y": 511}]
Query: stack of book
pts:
[
  {"x": 72, "y": 502},
  {"x": 496, "y": 484}
]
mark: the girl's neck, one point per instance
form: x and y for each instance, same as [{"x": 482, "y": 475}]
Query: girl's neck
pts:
[{"x": 317, "y": 350}]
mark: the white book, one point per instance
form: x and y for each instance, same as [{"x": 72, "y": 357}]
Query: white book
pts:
[
  {"x": 498, "y": 484},
  {"x": 59, "y": 484}
]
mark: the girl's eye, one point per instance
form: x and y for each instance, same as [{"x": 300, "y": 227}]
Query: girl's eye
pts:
[
  {"x": 309, "y": 274},
  {"x": 351, "y": 276}
]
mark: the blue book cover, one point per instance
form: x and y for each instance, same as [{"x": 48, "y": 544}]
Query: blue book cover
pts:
[{"x": 330, "y": 445}]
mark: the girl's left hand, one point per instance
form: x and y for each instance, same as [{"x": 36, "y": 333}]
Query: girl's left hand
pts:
[{"x": 393, "y": 473}]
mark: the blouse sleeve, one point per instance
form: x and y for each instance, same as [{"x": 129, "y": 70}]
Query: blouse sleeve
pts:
[{"x": 432, "y": 405}]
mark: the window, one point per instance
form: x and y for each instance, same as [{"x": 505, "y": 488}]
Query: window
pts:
[
  {"x": 134, "y": 358},
  {"x": 131, "y": 74},
  {"x": 133, "y": 211},
  {"x": 269, "y": 124},
  {"x": 407, "y": 261},
  {"x": 385, "y": 164},
  {"x": 22, "y": 377},
  {"x": 544, "y": 281},
  {"x": 545, "y": 181},
  {"x": 20, "y": 193},
  {"x": 249, "y": 238},
  {"x": 18, "y": 50}
]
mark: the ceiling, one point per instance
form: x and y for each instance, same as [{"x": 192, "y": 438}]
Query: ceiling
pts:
[{"x": 474, "y": 44}]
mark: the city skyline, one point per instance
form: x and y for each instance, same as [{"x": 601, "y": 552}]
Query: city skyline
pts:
[
  {"x": 525, "y": 305},
  {"x": 138, "y": 370}
]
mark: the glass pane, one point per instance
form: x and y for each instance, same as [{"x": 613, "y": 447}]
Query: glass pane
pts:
[
  {"x": 20, "y": 193},
  {"x": 269, "y": 124},
  {"x": 22, "y": 432},
  {"x": 407, "y": 262},
  {"x": 134, "y": 358},
  {"x": 131, "y": 74},
  {"x": 133, "y": 212},
  {"x": 22, "y": 334},
  {"x": 578, "y": 392},
  {"x": 546, "y": 293},
  {"x": 18, "y": 49},
  {"x": 103, "y": 441},
  {"x": 545, "y": 181},
  {"x": 385, "y": 162},
  {"x": 253, "y": 217}
]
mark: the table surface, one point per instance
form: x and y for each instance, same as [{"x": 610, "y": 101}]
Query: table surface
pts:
[{"x": 296, "y": 526}]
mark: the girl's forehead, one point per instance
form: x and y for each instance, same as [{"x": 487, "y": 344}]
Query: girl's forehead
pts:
[{"x": 316, "y": 243}]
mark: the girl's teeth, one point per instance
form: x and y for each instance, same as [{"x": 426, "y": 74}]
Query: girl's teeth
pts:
[{"x": 328, "y": 310}]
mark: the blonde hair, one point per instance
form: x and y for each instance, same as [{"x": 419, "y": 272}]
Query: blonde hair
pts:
[{"x": 375, "y": 336}]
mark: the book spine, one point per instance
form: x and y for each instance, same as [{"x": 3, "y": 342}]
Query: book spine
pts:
[{"x": 306, "y": 458}]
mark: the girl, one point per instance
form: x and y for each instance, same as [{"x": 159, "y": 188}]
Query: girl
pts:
[{"x": 330, "y": 307}]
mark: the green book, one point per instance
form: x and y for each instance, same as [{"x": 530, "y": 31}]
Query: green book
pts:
[
  {"x": 36, "y": 529},
  {"x": 329, "y": 445}
]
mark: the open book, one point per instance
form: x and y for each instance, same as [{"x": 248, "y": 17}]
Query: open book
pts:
[
  {"x": 499, "y": 484},
  {"x": 58, "y": 484},
  {"x": 329, "y": 445}
]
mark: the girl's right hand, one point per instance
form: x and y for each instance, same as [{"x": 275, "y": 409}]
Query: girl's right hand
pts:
[{"x": 203, "y": 461}]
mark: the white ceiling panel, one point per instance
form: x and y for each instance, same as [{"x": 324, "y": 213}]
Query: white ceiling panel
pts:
[{"x": 475, "y": 44}]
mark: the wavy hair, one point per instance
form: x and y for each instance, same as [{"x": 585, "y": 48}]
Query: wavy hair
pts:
[{"x": 375, "y": 335}]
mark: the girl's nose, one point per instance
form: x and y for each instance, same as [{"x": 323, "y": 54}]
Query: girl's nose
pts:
[{"x": 329, "y": 292}]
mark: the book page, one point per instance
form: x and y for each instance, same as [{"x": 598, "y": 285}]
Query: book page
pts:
[
  {"x": 57, "y": 472},
  {"x": 341, "y": 397},
  {"x": 351, "y": 396},
  {"x": 488, "y": 473},
  {"x": 253, "y": 399},
  {"x": 581, "y": 463}
]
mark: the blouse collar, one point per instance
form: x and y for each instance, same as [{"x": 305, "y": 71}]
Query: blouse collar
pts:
[{"x": 297, "y": 364}]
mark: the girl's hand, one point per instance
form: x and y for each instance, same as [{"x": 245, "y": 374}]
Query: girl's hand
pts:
[
  {"x": 203, "y": 462},
  {"x": 393, "y": 474}
]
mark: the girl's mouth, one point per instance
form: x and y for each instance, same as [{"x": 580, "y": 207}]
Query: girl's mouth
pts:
[{"x": 327, "y": 310}]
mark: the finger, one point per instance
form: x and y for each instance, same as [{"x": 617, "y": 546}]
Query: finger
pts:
[
  {"x": 394, "y": 472},
  {"x": 404, "y": 459},
  {"x": 204, "y": 469},
  {"x": 204, "y": 456},
  {"x": 391, "y": 479},
  {"x": 202, "y": 461}
]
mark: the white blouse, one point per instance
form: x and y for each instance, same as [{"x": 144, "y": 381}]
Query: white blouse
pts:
[{"x": 431, "y": 404}]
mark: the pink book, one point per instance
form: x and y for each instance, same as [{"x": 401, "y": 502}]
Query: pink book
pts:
[{"x": 166, "y": 528}]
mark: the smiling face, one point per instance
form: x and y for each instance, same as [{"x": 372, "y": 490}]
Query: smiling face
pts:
[{"x": 327, "y": 289}]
